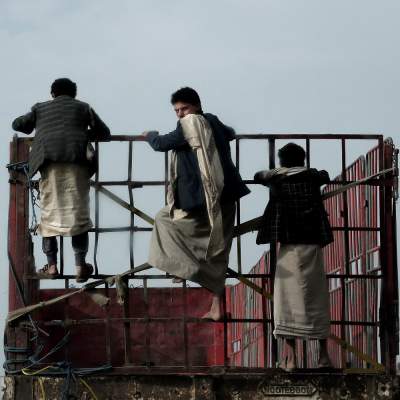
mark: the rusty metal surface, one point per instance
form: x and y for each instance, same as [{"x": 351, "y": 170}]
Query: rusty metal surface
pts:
[{"x": 224, "y": 387}]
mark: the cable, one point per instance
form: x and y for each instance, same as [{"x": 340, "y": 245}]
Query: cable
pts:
[
  {"x": 41, "y": 384},
  {"x": 27, "y": 372},
  {"x": 88, "y": 388}
]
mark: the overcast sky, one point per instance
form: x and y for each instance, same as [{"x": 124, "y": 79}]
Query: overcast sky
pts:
[{"x": 263, "y": 66}]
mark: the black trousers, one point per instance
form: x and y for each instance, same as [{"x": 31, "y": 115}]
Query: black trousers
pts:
[{"x": 80, "y": 245}]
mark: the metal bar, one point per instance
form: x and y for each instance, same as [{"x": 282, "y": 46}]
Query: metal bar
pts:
[
  {"x": 141, "y": 184},
  {"x": 278, "y": 136},
  {"x": 96, "y": 211},
  {"x": 229, "y": 275},
  {"x": 166, "y": 177},
  {"x": 132, "y": 216},
  {"x": 273, "y": 253},
  {"x": 71, "y": 322},
  {"x": 386, "y": 306},
  {"x": 121, "y": 229},
  {"x": 62, "y": 257},
  {"x": 345, "y": 217},
  {"x": 244, "y": 136},
  {"x": 225, "y": 321},
  {"x": 184, "y": 325},
  {"x": 238, "y": 239},
  {"x": 147, "y": 319},
  {"x": 124, "y": 204},
  {"x": 265, "y": 321},
  {"x": 108, "y": 329},
  {"x": 131, "y": 183},
  {"x": 299, "y": 136}
]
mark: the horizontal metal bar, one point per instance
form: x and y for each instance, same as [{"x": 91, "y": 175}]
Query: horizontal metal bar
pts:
[
  {"x": 317, "y": 136},
  {"x": 133, "y": 184},
  {"x": 283, "y": 136},
  {"x": 121, "y": 229},
  {"x": 232, "y": 371},
  {"x": 140, "y": 276},
  {"x": 148, "y": 229},
  {"x": 166, "y": 320},
  {"x": 139, "y": 184},
  {"x": 372, "y": 182}
]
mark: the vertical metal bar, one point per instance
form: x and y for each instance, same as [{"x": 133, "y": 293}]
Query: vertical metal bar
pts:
[
  {"x": 108, "y": 328},
  {"x": 166, "y": 176},
  {"x": 273, "y": 255},
  {"x": 346, "y": 251},
  {"x": 264, "y": 324},
  {"x": 126, "y": 306},
  {"x": 131, "y": 203},
  {"x": 238, "y": 239},
  {"x": 66, "y": 281},
  {"x": 388, "y": 306},
  {"x": 21, "y": 291},
  {"x": 96, "y": 210},
  {"x": 185, "y": 330},
  {"x": 147, "y": 327},
  {"x": 226, "y": 358},
  {"x": 308, "y": 157}
]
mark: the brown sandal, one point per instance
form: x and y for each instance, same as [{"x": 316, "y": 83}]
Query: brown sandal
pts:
[
  {"x": 83, "y": 272},
  {"x": 48, "y": 271}
]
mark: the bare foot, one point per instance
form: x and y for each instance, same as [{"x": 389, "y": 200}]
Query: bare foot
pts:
[
  {"x": 288, "y": 365},
  {"x": 215, "y": 313},
  {"x": 324, "y": 362}
]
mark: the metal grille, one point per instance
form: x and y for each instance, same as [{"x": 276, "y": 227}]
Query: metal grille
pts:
[{"x": 142, "y": 336}]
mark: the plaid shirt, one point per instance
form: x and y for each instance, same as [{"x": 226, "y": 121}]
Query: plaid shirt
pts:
[{"x": 295, "y": 213}]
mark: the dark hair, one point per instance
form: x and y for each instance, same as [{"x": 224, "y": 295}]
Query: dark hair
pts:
[
  {"x": 291, "y": 155},
  {"x": 63, "y": 86},
  {"x": 186, "y": 95}
]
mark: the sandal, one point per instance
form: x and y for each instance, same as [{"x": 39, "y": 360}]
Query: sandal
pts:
[
  {"x": 48, "y": 271},
  {"x": 83, "y": 272}
]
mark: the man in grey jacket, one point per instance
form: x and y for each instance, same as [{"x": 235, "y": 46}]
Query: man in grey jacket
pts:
[{"x": 63, "y": 128}]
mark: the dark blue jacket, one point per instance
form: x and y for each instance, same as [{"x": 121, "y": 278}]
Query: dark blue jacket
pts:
[{"x": 189, "y": 193}]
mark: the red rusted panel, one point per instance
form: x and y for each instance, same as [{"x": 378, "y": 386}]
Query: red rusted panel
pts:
[{"x": 87, "y": 346}]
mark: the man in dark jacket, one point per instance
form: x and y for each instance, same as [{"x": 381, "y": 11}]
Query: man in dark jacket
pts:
[
  {"x": 295, "y": 218},
  {"x": 192, "y": 236},
  {"x": 62, "y": 153}
]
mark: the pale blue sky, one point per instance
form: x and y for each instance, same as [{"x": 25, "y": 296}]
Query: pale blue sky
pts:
[{"x": 262, "y": 66}]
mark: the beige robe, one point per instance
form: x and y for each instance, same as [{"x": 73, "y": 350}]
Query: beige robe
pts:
[
  {"x": 64, "y": 200},
  {"x": 196, "y": 245}
]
